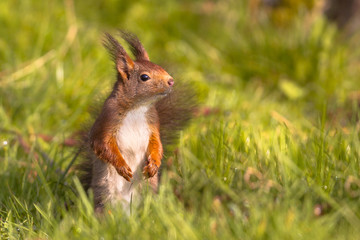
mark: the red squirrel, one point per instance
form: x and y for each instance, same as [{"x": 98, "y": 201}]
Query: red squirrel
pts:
[{"x": 143, "y": 112}]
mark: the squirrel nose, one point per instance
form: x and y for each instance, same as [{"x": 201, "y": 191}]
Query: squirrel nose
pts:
[{"x": 171, "y": 82}]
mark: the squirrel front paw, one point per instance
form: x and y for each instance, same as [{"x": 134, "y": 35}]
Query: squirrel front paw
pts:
[
  {"x": 150, "y": 169},
  {"x": 125, "y": 172}
]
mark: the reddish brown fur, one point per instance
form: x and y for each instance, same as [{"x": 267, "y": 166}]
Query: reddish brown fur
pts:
[
  {"x": 155, "y": 149},
  {"x": 128, "y": 92},
  {"x": 102, "y": 139},
  {"x": 169, "y": 113}
]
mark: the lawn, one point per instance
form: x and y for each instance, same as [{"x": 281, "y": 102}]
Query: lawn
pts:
[{"x": 272, "y": 153}]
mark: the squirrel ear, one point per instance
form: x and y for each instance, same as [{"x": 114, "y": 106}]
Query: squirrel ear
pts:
[
  {"x": 123, "y": 62},
  {"x": 124, "y": 66},
  {"x": 135, "y": 45}
]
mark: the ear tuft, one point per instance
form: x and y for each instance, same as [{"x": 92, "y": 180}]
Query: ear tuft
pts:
[
  {"x": 123, "y": 62},
  {"x": 135, "y": 45},
  {"x": 113, "y": 46}
]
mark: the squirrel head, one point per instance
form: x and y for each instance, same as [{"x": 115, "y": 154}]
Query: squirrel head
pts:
[{"x": 141, "y": 81}]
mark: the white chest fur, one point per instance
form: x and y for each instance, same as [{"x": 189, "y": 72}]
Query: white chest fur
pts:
[{"x": 133, "y": 137}]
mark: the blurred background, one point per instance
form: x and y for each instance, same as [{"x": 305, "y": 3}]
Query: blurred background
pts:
[
  {"x": 274, "y": 146},
  {"x": 52, "y": 59}
]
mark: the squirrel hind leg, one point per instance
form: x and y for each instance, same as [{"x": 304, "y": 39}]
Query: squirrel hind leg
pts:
[
  {"x": 99, "y": 209},
  {"x": 154, "y": 182}
]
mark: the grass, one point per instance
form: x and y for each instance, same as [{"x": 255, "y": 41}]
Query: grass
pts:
[{"x": 273, "y": 154}]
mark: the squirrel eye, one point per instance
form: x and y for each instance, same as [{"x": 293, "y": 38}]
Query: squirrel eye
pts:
[{"x": 144, "y": 77}]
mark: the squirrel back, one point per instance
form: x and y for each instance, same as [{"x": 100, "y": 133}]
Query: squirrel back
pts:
[{"x": 168, "y": 110}]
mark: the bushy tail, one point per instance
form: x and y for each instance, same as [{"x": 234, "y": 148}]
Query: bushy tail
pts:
[
  {"x": 84, "y": 167},
  {"x": 175, "y": 112}
]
